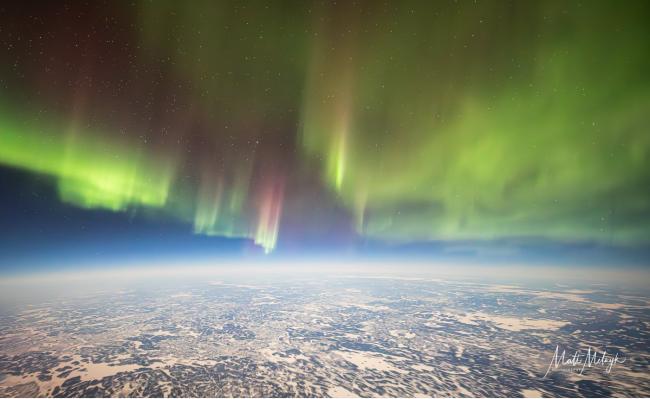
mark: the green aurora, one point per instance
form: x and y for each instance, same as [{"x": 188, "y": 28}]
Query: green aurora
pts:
[{"x": 424, "y": 120}]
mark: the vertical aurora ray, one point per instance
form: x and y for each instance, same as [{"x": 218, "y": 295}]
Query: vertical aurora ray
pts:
[
  {"x": 208, "y": 203},
  {"x": 339, "y": 157},
  {"x": 221, "y": 207},
  {"x": 269, "y": 211},
  {"x": 328, "y": 103}
]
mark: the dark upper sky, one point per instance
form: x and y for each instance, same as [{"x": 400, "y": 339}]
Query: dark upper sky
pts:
[{"x": 477, "y": 130}]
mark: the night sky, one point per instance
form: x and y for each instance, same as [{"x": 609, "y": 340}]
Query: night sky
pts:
[{"x": 474, "y": 129}]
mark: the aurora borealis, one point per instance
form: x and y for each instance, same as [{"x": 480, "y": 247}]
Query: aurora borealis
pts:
[{"x": 285, "y": 122}]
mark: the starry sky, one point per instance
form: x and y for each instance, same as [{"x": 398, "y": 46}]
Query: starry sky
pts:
[{"x": 479, "y": 129}]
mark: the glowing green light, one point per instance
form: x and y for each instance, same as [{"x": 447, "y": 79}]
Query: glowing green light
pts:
[{"x": 90, "y": 172}]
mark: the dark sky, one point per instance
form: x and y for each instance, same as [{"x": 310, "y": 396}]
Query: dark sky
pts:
[{"x": 473, "y": 130}]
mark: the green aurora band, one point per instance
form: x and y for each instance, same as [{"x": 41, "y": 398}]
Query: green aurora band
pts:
[
  {"x": 91, "y": 171},
  {"x": 427, "y": 120}
]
